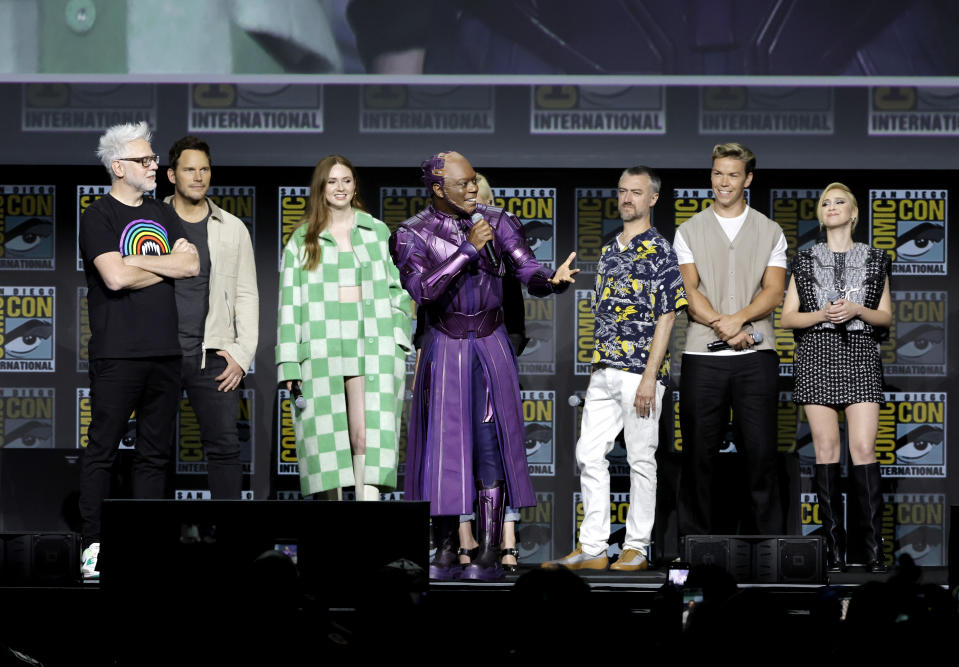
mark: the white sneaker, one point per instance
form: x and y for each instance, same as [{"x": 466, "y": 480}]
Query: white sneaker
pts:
[{"x": 88, "y": 561}]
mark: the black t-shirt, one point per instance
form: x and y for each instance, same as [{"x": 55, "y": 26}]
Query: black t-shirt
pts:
[
  {"x": 129, "y": 323},
  {"x": 193, "y": 294}
]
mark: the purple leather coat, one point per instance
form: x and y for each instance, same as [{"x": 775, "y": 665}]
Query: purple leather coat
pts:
[{"x": 461, "y": 294}]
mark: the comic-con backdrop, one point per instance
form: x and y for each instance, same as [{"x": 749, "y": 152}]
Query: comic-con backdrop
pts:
[{"x": 44, "y": 328}]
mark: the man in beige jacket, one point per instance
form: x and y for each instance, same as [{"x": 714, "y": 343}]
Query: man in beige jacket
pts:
[{"x": 218, "y": 312}]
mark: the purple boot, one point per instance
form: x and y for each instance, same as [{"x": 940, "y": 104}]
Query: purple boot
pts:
[
  {"x": 490, "y": 503},
  {"x": 445, "y": 565}
]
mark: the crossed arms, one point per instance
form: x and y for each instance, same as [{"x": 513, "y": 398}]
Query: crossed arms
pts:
[{"x": 139, "y": 271}]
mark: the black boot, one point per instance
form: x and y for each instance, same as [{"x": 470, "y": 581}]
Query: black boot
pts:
[
  {"x": 445, "y": 565},
  {"x": 830, "y": 511},
  {"x": 868, "y": 487},
  {"x": 490, "y": 504}
]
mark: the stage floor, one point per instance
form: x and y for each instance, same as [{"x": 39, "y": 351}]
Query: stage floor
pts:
[{"x": 53, "y": 623}]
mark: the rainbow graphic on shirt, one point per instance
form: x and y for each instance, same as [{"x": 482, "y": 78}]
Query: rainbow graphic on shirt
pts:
[{"x": 144, "y": 237}]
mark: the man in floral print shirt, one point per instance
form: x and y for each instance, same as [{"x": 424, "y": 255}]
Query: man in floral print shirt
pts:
[{"x": 637, "y": 293}]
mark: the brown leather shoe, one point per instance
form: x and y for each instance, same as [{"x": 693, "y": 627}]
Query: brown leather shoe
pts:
[
  {"x": 630, "y": 561},
  {"x": 577, "y": 560}
]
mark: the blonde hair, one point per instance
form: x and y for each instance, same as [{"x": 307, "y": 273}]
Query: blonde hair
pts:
[
  {"x": 483, "y": 189},
  {"x": 737, "y": 152},
  {"x": 852, "y": 199}
]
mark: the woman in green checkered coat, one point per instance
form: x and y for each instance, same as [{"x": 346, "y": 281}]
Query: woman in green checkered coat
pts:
[{"x": 343, "y": 332}]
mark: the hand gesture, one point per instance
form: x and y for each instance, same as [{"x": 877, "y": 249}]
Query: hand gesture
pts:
[
  {"x": 230, "y": 378},
  {"x": 841, "y": 310},
  {"x": 741, "y": 341},
  {"x": 564, "y": 274},
  {"x": 182, "y": 245},
  {"x": 727, "y": 326},
  {"x": 480, "y": 233}
]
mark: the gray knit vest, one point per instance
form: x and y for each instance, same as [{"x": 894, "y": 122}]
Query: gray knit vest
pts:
[{"x": 730, "y": 272}]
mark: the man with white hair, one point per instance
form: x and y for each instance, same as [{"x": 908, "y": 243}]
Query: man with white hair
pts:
[{"x": 132, "y": 248}]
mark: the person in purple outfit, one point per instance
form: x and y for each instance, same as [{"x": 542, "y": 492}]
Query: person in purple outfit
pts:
[{"x": 466, "y": 438}]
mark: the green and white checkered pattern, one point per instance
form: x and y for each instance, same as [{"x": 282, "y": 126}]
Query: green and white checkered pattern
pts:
[{"x": 317, "y": 336}]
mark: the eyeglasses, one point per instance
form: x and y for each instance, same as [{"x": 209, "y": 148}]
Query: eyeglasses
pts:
[{"x": 146, "y": 160}]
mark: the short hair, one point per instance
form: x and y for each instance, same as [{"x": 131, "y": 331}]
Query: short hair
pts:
[
  {"x": 655, "y": 182},
  {"x": 188, "y": 143},
  {"x": 845, "y": 190},
  {"x": 737, "y": 152},
  {"x": 114, "y": 142}
]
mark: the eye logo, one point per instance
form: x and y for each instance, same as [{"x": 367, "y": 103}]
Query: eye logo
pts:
[
  {"x": 922, "y": 242},
  {"x": 144, "y": 237},
  {"x": 921, "y": 445},
  {"x": 911, "y": 226},
  {"x": 537, "y": 234},
  {"x": 29, "y": 239},
  {"x": 27, "y": 227},
  {"x": 26, "y": 338},
  {"x": 537, "y": 436},
  {"x": 26, "y": 418},
  {"x": 27, "y": 328},
  {"x": 33, "y": 434},
  {"x": 539, "y": 431},
  {"x": 921, "y": 343},
  {"x": 923, "y": 543}
]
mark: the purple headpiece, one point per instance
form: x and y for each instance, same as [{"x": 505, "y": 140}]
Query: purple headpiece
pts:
[{"x": 433, "y": 170}]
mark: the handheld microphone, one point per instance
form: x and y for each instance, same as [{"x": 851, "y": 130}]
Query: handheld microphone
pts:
[
  {"x": 297, "y": 395},
  {"x": 717, "y": 345},
  {"x": 833, "y": 296},
  {"x": 574, "y": 400},
  {"x": 490, "y": 255}
]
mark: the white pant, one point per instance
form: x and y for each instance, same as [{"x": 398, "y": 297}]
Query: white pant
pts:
[{"x": 608, "y": 409}]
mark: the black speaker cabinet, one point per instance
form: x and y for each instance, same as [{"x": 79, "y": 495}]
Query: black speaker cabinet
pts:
[
  {"x": 39, "y": 489},
  {"x": 39, "y": 559},
  {"x": 762, "y": 559},
  {"x": 788, "y": 560},
  {"x": 728, "y": 552},
  {"x": 195, "y": 548}
]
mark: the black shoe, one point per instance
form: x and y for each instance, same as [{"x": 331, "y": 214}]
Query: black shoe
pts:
[
  {"x": 490, "y": 503},
  {"x": 445, "y": 565},
  {"x": 509, "y": 551},
  {"x": 868, "y": 488},
  {"x": 826, "y": 476}
]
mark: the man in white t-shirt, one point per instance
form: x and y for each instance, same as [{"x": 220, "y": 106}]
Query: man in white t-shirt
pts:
[{"x": 733, "y": 261}]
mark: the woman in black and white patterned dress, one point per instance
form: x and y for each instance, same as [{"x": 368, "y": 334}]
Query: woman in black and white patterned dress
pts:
[{"x": 838, "y": 302}]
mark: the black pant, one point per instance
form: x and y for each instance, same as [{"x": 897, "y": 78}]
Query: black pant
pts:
[
  {"x": 216, "y": 412},
  {"x": 151, "y": 386},
  {"x": 708, "y": 387}
]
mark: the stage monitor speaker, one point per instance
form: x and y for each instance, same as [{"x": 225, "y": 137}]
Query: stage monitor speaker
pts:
[
  {"x": 761, "y": 559},
  {"x": 788, "y": 560},
  {"x": 39, "y": 559},
  {"x": 731, "y": 553},
  {"x": 195, "y": 547},
  {"x": 39, "y": 489}
]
